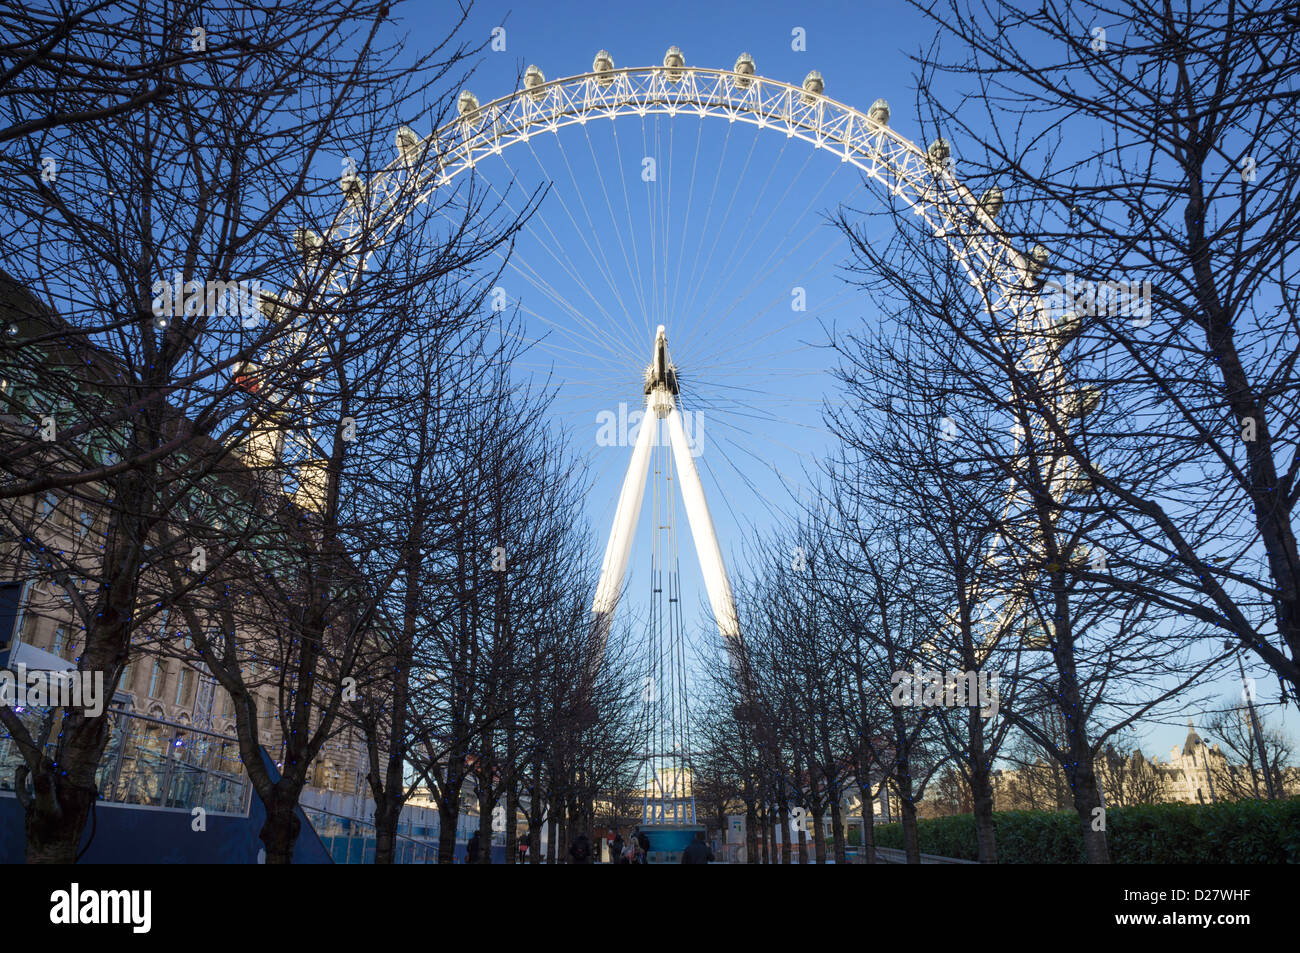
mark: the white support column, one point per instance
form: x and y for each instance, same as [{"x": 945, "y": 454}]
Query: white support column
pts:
[
  {"x": 614, "y": 567},
  {"x": 706, "y": 539}
]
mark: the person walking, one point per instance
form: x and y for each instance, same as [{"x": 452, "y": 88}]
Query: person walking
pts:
[
  {"x": 616, "y": 849},
  {"x": 580, "y": 850},
  {"x": 471, "y": 849},
  {"x": 697, "y": 851},
  {"x": 643, "y": 846}
]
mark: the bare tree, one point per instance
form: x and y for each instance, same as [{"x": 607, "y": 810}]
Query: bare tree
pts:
[
  {"x": 1239, "y": 774},
  {"x": 159, "y": 213},
  {"x": 1165, "y": 240}
]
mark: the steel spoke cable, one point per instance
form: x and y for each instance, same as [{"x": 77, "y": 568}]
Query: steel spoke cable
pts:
[
  {"x": 690, "y": 197},
  {"x": 689, "y": 313},
  {"x": 708, "y": 213},
  {"x": 631, "y": 229},
  {"x": 607, "y": 272},
  {"x": 618, "y": 231},
  {"x": 565, "y": 265},
  {"x": 754, "y": 234}
]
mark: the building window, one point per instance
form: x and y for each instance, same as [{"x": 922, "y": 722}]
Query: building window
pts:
[
  {"x": 155, "y": 679},
  {"x": 87, "y": 521},
  {"x": 60, "y": 634},
  {"x": 183, "y": 687},
  {"x": 48, "y": 502}
]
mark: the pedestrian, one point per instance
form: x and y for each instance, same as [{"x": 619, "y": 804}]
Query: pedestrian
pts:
[
  {"x": 643, "y": 846},
  {"x": 697, "y": 851},
  {"x": 616, "y": 849},
  {"x": 471, "y": 849},
  {"x": 580, "y": 850}
]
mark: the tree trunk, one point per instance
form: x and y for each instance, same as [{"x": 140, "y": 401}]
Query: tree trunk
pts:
[
  {"x": 512, "y": 812},
  {"x": 388, "y": 808},
  {"x": 281, "y": 829},
  {"x": 981, "y": 793},
  {"x": 908, "y": 809},
  {"x": 869, "y": 825},
  {"x": 448, "y": 815},
  {"x": 751, "y": 834},
  {"x": 485, "y": 832},
  {"x": 783, "y": 823},
  {"x": 837, "y": 833},
  {"x": 62, "y": 795},
  {"x": 985, "y": 833},
  {"x": 1087, "y": 799},
  {"x": 819, "y": 836}
]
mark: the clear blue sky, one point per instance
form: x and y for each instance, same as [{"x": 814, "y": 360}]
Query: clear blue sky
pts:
[{"x": 712, "y": 249}]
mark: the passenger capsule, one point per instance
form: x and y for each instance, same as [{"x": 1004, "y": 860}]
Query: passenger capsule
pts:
[
  {"x": 879, "y": 112},
  {"x": 939, "y": 151},
  {"x": 674, "y": 60},
  {"x": 1066, "y": 327},
  {"x": 408, "y": 143},
  {"x": 307, "y": 242},
  {"x": 533, "y": 78},
  {"x": 744, "y": 69},
  {"x": 991, "y": 202},
  {"x": 1038, "y": 258},
  {"x": 603, "y": 67},
  {"x": 1081, "y": 402},
  {"x": 813, "y": 86},
  {"x": 467, "y": 106},
  {"x": 352, "y": 188}
]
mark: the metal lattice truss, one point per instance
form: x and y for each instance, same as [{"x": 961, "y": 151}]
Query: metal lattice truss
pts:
[{"x": 918, "y": 180}]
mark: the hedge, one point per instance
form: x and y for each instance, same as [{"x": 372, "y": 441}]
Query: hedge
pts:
[{"x": 1241, "y": 832}]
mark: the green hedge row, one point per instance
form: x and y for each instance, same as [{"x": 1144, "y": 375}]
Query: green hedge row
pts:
[{"x": 1242, "y": 832}]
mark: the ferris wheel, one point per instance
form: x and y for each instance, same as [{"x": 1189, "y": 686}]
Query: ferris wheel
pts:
[{"x": 614, "y": 316}]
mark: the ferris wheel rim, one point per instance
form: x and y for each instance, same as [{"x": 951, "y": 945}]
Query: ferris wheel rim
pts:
[{"x": 949, "y": 207}]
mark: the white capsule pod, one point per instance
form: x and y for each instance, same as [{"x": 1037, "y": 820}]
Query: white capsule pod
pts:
[
  {"x": 1073, "y": 480},
  {"x": 307, "y": 242},
  {"x": 743, "y": 69},
  {"x": 1035, "y": 637},
  {"x": 991, "y": 202},
  {"x": 1080, "y": 403},
  {"x": 408, "y": 144},
  {"x": 674, "y": 61},
  {"x": 533, "y": 78},
  {"x": 1037, "y": 259},
  {"x": 813, "y": 86},
  {"x": 940, "y": 150},
  {"x": 603, "y": 67},
  {"x": 352, "y": 188},
  {"x": 467, "y": 106},
  {"x": 1066, "y": 328}
]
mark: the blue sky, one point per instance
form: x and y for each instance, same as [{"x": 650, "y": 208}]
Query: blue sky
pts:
[{"x": 713, "y": 249}]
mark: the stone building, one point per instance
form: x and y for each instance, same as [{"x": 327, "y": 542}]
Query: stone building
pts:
[{"x": 51, "y": 548}]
